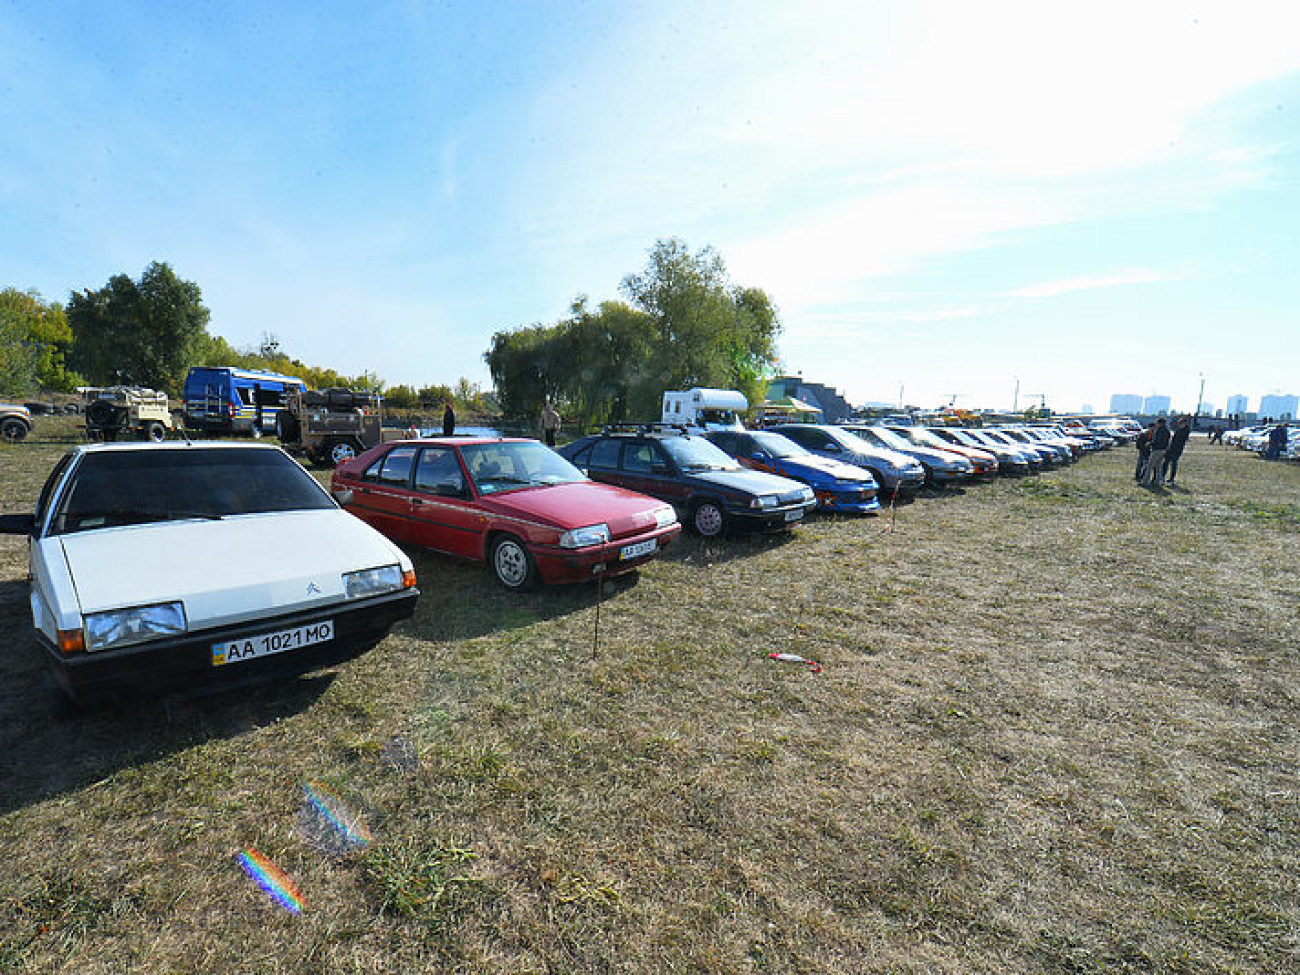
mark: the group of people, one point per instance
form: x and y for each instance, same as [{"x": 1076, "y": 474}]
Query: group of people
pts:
[
  {"x": 1277, "y": 438},
  {"x": 1159, "y": 450}
]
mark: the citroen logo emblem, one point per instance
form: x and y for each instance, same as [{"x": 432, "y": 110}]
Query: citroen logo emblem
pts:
[{"x": 313, "y": 589}]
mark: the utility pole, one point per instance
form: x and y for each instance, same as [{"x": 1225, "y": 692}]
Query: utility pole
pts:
[
  {"x": 1015, "y": 399},
  {"x": 1200, "y": 398}
]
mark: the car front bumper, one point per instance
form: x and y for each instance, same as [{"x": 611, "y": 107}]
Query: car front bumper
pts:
[
  {"x": 186, "y": 663},
  {"x": 847, "y": 502},
  {"x": 557, "y": 566}
]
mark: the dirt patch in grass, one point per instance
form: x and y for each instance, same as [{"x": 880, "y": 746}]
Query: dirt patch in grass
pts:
[{"x": 1055, "y": 731}]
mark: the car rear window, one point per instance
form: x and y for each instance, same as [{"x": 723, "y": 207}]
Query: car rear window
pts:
[{"x": 113, "y": 488}]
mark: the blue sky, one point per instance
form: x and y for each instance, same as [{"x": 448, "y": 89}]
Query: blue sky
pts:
[{"x": 943, "y": 197}]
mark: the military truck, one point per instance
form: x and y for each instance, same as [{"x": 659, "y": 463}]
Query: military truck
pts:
[
  {"x": 329, "y": 426},
  {"x": 125, "y": 412}
]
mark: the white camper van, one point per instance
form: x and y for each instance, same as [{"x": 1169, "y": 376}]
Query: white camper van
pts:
[{"x": 705, "y": 409}]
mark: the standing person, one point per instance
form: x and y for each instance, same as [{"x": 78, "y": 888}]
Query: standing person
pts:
[
  {"x": 1276, "y": 442},
  {"x": 550, "y": 423},
  {"x": 448, "y": 420},
  {"x": 1176, "y": 444},
  {"x": 1159, "y": 444},
  {"x": 1143, "y": 445}
]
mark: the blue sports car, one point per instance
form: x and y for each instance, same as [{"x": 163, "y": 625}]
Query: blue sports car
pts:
[{"x": 839, "y": 487}]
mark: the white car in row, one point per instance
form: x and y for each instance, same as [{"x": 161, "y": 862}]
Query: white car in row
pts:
[{"x": 158, "y": 565}]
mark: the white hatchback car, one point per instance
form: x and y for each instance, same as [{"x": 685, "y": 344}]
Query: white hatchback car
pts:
[{"x": 157, "y": 565}]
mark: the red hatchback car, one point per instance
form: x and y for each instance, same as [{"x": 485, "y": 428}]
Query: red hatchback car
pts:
[{"x": 512, "y": 503}]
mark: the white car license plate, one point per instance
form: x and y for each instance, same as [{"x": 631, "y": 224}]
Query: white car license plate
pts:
[
  {"x": 794, "y": 514},
  {"x": 638, "y": 549},
  {"x": 266, "y": 644}
]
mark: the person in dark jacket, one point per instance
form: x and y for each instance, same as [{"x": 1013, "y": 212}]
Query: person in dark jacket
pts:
[
  {"x": 448, "y": 420},
  {"x": 1159, "y": 444},
  {"x": 1276, "y": 442},
  {"x": 1143, "y": 445},
  {"x": 1176, "y": 444}
]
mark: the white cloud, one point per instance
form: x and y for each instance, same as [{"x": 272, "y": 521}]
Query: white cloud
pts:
[{"x": 1050, "y": 289}]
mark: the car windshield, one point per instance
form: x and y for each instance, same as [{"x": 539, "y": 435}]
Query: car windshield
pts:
[
  {"x": 920, "y": 435},
  {"x": 697, "y": 454},
  {"x": 883, "y": 437},
  {"x": 779, "y": 446},
  {"x": 511, "y": 465},
  {"x": 131, "y": 487}
]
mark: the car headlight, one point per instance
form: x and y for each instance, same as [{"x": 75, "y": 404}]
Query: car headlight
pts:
[
  {"x": 808, "y": 495},
  {"x": 665, "y": 516},
  {"x": 375, "y": 582},
  {"x": 582, "y": 537},
  {"x": 765, "y": 501},
  {"x": 136, "y": 624}
]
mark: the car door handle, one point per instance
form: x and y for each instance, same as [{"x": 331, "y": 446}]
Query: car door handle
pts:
[{"x": 417, "y": 501}]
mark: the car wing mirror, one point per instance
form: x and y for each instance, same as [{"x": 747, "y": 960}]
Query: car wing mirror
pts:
[
  {"x": 21, "y": 524},
  {"x": 449, "y": 489},
  {"x": 832, "y": 446},
  {"x": 343, "y": 496},
  {"x": 658, "y": 467}
]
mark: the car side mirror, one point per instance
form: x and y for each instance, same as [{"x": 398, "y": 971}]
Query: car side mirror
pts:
[
  {"x": 759, "y": 455},
  {"x": 23, "y": 524},
  {"x": 449, "y": 489},
  {"x": 833, "y": 447},
  {"x": 343, "y": 496},
  {"x": 658, "y": 467}
]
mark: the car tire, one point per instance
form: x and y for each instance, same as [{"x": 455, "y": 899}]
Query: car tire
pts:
[
  {"x": 511, "y": 564},
  {"x": 708, "y": 520},
  {"x": 338, "y": 451},
  {"x": 13, "y": 430},
  {"x": 286, "y": 427},
  {"x": 156, "y": 432}
]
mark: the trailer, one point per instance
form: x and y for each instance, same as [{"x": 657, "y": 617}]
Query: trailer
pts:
[{"x": 705, "y": 409}]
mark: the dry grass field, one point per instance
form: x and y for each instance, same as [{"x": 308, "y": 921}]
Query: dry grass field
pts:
[{"x": 1055, "y": 731}]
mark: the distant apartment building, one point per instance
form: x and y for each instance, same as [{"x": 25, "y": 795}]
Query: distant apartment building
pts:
[
  {"x": 1279, "y": 407},
  {"x": 1125, "y": 403},
  {"x": 1155, "y": 405},
  {"x": 1236, "y": 404}
]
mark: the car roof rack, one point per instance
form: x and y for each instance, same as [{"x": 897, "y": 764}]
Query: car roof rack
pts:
[{"x": 615, "y": 429}]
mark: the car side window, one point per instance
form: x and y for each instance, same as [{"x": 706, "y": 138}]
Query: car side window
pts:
[
  {"x": 43, "y": 502},
  {"x": 395, "y": 469},
  {"x": 604, "y": 454},
  {"x": 580, "y": 458},
  {"x": 438, "y": 472},
  {"x": 730, "y": 442},
  {"x": 638, "y": 458}
]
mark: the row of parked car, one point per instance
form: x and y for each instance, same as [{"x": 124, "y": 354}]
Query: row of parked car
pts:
[
  {"x": 157, "y": 564},
  {"x": 1255, "y": 438}
]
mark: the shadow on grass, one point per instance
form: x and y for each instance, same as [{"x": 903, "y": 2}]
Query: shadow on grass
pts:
[
  {"x": 50, "y": 746},
  {"x": 726, "y": 548}
]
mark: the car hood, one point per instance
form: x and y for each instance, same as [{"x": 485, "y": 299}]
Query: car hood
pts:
[
  {"x": 576, "y": 505},
  {"x": 241, "y": 567},
  {"x": 754, "y": 482},
  {"x": 822, "y": 467},
  {"x": 874, "y": 453}
]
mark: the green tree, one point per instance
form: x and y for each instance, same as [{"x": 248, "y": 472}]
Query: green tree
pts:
[
  {"x": 709, "y": 331},
  {"x": 686, "y": 325},
  {"x": 34, "y": 342},
  {"x": 141, "y": 332}
]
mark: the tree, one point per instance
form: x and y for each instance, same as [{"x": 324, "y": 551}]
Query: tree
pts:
[
  {"x": 141, "y": 332},
  {"x": 35, "y": 342},
  {"x": 709, "y": 331},
  {"x": 686, "y": 325}
]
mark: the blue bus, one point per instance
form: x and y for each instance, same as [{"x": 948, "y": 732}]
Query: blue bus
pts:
[{"x": 226, "y": 400}]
